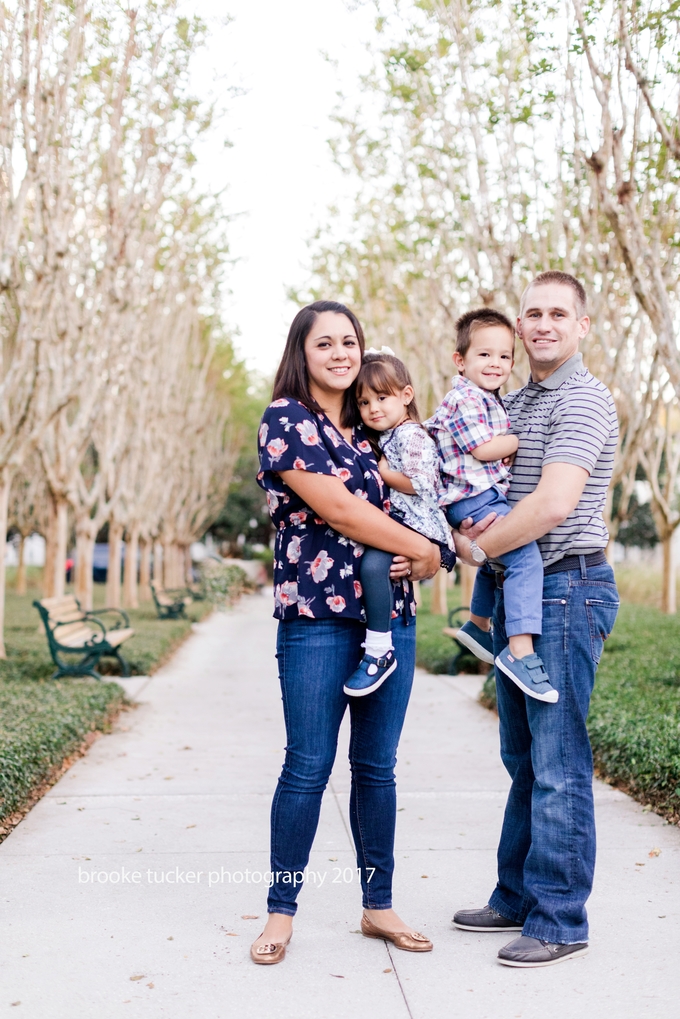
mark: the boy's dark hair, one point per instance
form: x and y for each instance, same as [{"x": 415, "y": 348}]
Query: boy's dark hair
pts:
[
  {"x": 468, "y": 324},
  {"x": 565, "y": 279},
  {"x": 385, "y": 373},
  {"x": 292, "y": 377}
]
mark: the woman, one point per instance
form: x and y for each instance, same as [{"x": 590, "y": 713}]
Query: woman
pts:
[{"x": 326, "y": 499}]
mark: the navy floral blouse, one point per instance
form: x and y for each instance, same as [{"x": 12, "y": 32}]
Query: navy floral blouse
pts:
[{"x": 315, "y": 568}]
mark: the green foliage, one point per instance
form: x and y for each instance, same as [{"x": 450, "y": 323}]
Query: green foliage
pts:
[
  {"x": 43, "y": 721},
  {"x": 246, "y": 500},
  {"x": 222, "y": 584},
  {"x": 634, "y": 721},
  {"x": 434, "y": 651}
]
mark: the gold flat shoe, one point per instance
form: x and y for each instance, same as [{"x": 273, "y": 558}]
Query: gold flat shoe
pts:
[
  {"x": 408, "y": 941},
  {"x": 270, "y": 953}
]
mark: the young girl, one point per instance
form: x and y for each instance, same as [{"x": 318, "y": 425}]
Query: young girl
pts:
[{"x": 409, "y": 465}]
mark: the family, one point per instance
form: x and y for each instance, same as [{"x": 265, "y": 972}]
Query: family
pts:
[{"x": 364, "y": 497}]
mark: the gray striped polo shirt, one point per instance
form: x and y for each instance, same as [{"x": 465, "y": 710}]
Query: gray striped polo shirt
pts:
[{"x": 570, "y": 417}]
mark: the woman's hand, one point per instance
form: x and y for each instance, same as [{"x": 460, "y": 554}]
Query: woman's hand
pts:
[
  {"x": 401, "y": 567},
  {"x": 420, "y": 568}
]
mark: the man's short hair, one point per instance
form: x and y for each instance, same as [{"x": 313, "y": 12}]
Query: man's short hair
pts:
[
  {"x": 468, "y": 324},
  {"x": 567, "y": 280}
]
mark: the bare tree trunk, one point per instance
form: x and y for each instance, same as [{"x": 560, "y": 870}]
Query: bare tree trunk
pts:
[
  {"x": 130, "y": 599},
  {"x": 668, "y": 593},
  {"x": 86, "y": 533},
  {"x": 467, "y": 581},
  {"x": 158, "y": 562},
  {"x": 60, "y": 547},
  {"x": 5, "y": 483},
  {"x": 21, "y": 567},
  {"x": 188, "y": 565},
  {"x": 170, "y": 563},
  {"x": 439, "y": 604},
  {"x": 54, "y": 577},
  {"x": 144, "y": 569},
  {"x": 50, "y": 554},
  {"x": 113, "y": 571}
]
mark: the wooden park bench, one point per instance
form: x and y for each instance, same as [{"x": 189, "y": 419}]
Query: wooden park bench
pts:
[
  {"x": 78, "y": 639},
  {"x": 170, "y": 604}
]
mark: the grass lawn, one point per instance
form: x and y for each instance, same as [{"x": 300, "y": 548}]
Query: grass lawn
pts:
[
  {"x": 634, "y": 720},
  {"x": 43, "y": 721}
]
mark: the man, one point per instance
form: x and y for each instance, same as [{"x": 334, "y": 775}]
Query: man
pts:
[{"x": 567, "y": 428}]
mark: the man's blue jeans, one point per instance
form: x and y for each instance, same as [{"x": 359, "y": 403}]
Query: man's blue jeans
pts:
[
  {"x": 315, "y": 657},
  {"x": 546, "y": 856},
  {"x": 523, "y": 568}
]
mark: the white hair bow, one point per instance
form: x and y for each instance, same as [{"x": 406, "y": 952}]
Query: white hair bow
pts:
[{"x": 383, "y": 350}]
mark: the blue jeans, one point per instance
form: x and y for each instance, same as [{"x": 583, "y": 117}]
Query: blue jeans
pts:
[
  {"x": 546, "y": 856},
  {"x": 523, "y": 569},
  {"x": 315, "y": 658}
]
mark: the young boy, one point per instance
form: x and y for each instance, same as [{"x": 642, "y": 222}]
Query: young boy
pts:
[{"x": 471, "y": 429}]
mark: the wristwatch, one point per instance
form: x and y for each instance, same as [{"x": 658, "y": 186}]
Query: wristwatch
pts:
[{"x": 478, "y": 554}]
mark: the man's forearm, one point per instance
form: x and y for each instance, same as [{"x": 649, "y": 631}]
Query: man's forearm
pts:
[
  {"x": 530, "y": 519},
  {"x": 555, "y": 497}
]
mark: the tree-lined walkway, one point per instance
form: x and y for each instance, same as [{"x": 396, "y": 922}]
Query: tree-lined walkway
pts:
[{"x": 129, "y": 889}]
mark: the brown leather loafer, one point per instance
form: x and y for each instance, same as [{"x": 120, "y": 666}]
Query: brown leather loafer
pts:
[
  {"x": 270, "y": 953},
  {"x": 407, "y": 941}
]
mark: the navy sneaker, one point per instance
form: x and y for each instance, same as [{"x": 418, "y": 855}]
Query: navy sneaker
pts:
[
  {"x": 479, "y": 641},
  {"x": 529, "y": 675},
  {"x": 371, "y": 674}
]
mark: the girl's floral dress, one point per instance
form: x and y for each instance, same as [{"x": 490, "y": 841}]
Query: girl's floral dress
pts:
[{"x": 316, "y": 568}]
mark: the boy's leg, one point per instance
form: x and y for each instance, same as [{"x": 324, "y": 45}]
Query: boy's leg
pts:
[
  {"x": 483, "y": 593},
  {"x": 523, "y": 590}
]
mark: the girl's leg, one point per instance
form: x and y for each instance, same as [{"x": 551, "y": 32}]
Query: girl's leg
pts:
[
  {"x": 376, "y": 728},
  {"x": 314, "y": 658},
  {"x": 374, "y": 571}
]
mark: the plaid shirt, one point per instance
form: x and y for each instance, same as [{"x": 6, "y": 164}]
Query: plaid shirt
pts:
[{"x": 467, "y": 418}]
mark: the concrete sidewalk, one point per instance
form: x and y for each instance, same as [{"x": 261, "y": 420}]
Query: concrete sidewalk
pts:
[{"x": 101, "y": 918}]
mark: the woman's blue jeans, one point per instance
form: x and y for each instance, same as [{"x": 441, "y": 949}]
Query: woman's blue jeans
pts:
[{"x": 315, "y": 658}]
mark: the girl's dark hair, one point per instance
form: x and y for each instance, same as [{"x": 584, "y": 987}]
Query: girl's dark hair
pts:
[
  {"x": 385, "y": 373},
  {"x": 292, "y": 377}
]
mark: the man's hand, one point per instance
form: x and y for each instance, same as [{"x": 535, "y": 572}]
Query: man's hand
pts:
[{"x": 467, "y": 532}]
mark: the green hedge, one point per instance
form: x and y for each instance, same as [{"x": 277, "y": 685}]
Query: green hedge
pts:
[
  {"x": 43, "y": 721},
  {"x": 634, "y": 720}
]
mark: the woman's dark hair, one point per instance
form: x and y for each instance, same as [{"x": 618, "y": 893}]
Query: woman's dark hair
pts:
[
  {"x": 292, "y": 377},
  {"x": 385, "y": 373}
]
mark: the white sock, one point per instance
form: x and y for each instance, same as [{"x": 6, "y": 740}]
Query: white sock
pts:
[{"x": 378, "y": 643}]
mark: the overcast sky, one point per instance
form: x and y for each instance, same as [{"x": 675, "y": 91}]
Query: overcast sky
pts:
[{"x": 279, "y": 172}]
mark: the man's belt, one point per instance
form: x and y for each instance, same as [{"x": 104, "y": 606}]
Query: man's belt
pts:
[
  {"x": 570, "y": 562},
  {"x": 573, "y": 562}
]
